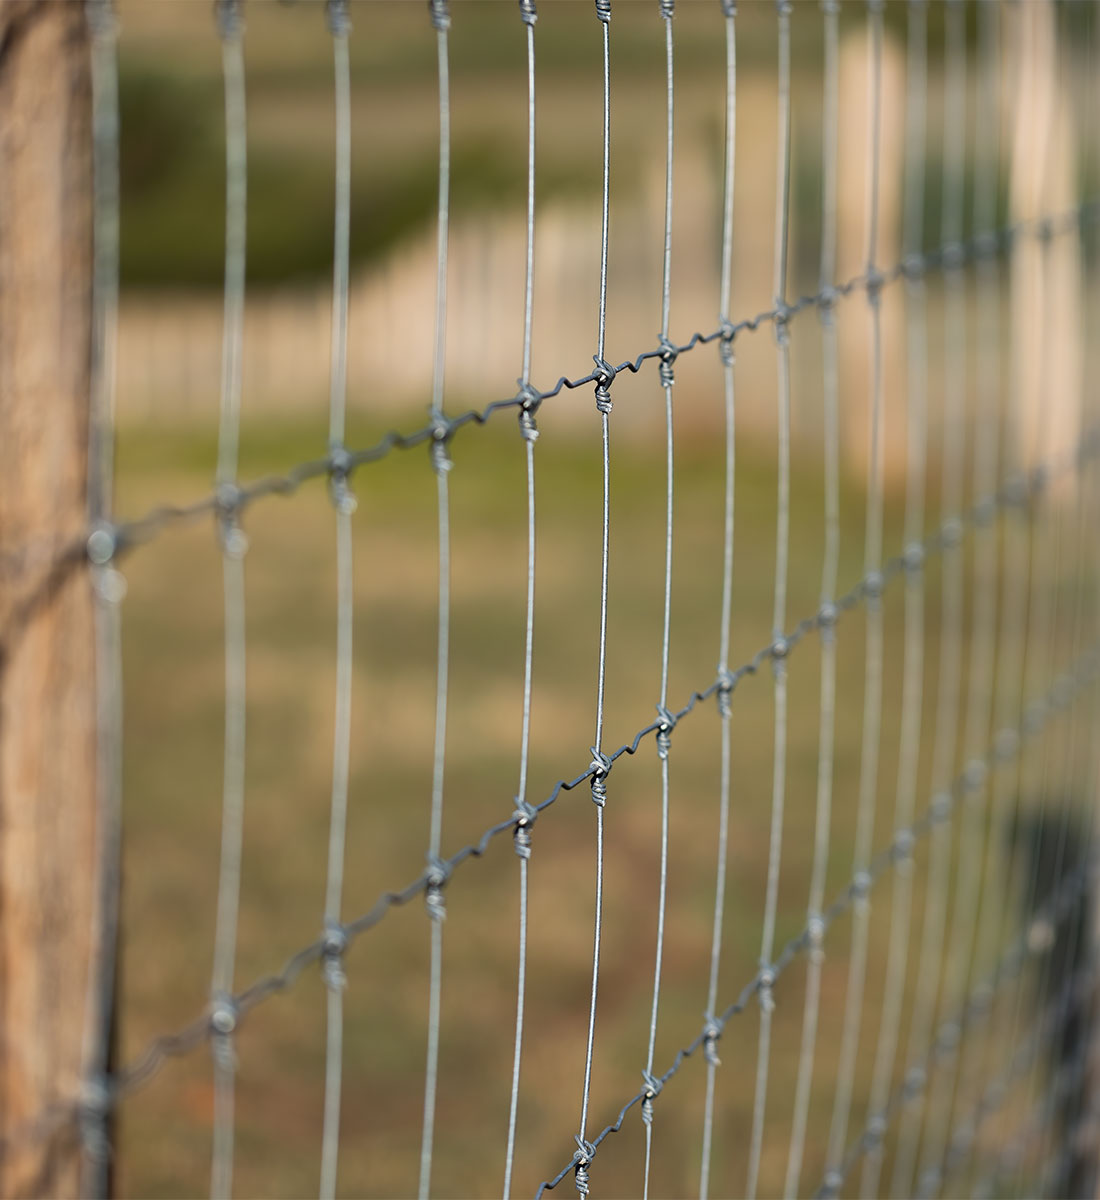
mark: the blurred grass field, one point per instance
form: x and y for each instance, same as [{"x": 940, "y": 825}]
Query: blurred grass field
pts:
[
  {"x": 172, "y": 229},
  {"x": 173, "y": 720}
]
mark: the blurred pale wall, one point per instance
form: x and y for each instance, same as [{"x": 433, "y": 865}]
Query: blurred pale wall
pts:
[{"x": 170, "y": 343}]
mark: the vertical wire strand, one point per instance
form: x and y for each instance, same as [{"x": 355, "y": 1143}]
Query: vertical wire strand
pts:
[
  {"x": 979, "y": 702},
  {"x": 945, "y": 736},
  {"x": 1047, "y": 567},
  {"x": 972, "y": 885},
  {"x": 441, "y": 22},
  {"x": 1008, "y": 641},
  {"x": 1072, "y": 794},
  {"x": 234, "y": 545},
  {"x": 601, "y": 765},
  {"x": 524, "y": 812},
  {"x": 1009, "y": 692},
  {"x": 1027, "y": 619},
  {"x": 344, "y": 505},
  {"x": 729, "y": 10},
  {"x": 827, "y": 700},
  {"x": 1049, "y": 1186},
  {"x": 665, "y": 729},
  {"x": 108, "y": 588},
  {"x": 913, "y": 653},
  {"x": 873, "y": 666},
  {"x": 779, "y": 645},
  {"x": 1038, "y": 657}
]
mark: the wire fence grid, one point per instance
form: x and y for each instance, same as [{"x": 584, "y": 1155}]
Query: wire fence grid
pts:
[{"x": 977, "y": 1071}]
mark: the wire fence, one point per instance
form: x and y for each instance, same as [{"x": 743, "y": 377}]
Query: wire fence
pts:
[{"x": 964, "y": 993}]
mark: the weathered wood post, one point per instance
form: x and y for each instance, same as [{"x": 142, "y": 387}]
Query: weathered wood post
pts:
[{"x": 47, "y": 659}]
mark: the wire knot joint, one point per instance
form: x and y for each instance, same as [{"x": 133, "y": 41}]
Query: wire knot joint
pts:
[
  {"x": 334, "y": 945},
  {"x": 441, "y": 14},
  {"x": 726, "y": 334},
  {"x": 228, "y": 502},
  {"x": 600, "y": 767},
  {"x": 228, "y": 15},
  {"x": 652, "y": 1090},
  {"x": 669, "y": 353},
  {"x": 529, "y": 401},
  {"x": 224, "y": 1014},
  {"x": 524, "y": 817},
  {"x": 102, "y": 544},
  {"x": 726, "y": 683},
  {"x": 442, "y": 430},
  {"x": 712, "y": 1032},
  {"x": 603, "y": 13},
  {"x": 778, "y": 651},
  {"x": 664, "y": 730},
  {"x": 527, "y": 12},
  {"x": 439, "y": 871},
  {"x": 339, "y": 476},
  {"x": 336, "y": 15},
  {"x": 582, "y": 1158},
  {"x": 781, "y": 316},
  {"x": 765, "y": 983},
  {"x": 605, "y": 377},
  {"x": 815, "y": 933}
]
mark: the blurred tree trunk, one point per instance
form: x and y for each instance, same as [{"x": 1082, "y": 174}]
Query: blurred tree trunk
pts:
[{"x": 47, "y": 694}]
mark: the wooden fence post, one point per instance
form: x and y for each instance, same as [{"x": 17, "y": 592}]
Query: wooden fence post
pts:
[{"x": 47, "y": 662}]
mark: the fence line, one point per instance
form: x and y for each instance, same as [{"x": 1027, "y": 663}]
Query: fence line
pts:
[
  {"x": 1018, "y": 492},
  {"x": 1003, "y": 748},
  {"x": 946, "y": 1041},
  {"x": 1011, "y": 688}
]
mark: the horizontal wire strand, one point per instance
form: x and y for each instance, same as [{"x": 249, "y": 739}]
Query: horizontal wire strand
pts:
[
  {"x": 1017, "y": 492},
  {"x": 1073, "y": 681},
  {"x": 134, "y": 532}
]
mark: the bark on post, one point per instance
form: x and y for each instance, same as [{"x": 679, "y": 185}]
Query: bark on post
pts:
[{"x": 47, "y": 683}]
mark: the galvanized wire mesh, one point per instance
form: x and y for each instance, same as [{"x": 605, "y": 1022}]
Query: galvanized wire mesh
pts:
[{"x": 988, "y": 978}]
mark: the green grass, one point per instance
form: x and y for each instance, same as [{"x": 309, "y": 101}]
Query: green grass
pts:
[{"x": 174, "y": 693}]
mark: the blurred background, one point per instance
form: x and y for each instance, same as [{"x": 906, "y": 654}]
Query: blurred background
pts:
[{"x": 172, "y": 230}]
